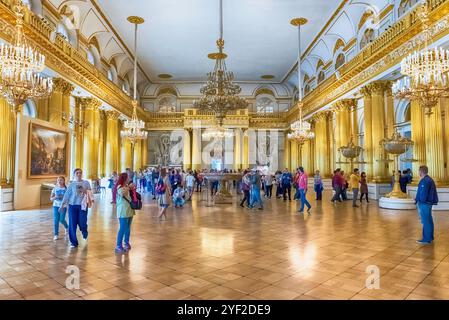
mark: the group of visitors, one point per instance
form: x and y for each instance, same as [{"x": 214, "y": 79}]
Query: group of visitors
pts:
[{"x": 77, "y": 197}]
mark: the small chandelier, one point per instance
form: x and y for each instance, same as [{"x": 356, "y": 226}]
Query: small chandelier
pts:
[
  {"x": 426, "y": 71},
  {"x": 301, "y": 130},
  {"x": 220, "y": 93},
  {"x": 20, "y": 65},
  {"x": 134, "y": 127},
  {"x": 217, "y": 133}
]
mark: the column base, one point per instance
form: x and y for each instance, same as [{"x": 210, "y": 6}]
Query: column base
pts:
[
  {"x": 6, "y": 198},
  {"x": 378, "y": 190},
  {"x": 443, "y": 196},
  {"x": 397, "y": 204}
]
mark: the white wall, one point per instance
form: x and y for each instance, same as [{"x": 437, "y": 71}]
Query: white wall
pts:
[{"x": 27, "y": 191}]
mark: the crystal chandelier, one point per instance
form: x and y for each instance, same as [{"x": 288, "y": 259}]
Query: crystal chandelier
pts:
[
  {"x": 20, "y": 65},
  {"x": 217, "y": 133},
  {"x": 220, "y": 93},
  {"x": 426, "y": 71},
  {"x": 301, "y": 130},
  {"x": 134, "y": 127}
]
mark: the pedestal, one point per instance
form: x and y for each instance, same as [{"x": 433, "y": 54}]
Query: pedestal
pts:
[
  {"x": 397, "y": 204},
  {"x": 443, "y": 197},
  {"x": 223, "y": 196},
  {"x": 6, "y": 199}
]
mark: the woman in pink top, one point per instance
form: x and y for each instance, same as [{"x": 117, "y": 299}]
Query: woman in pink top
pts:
[{"x": 302, "y": 187}]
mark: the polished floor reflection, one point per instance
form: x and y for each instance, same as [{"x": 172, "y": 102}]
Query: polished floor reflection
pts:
[{"x": 228, "y": 252}]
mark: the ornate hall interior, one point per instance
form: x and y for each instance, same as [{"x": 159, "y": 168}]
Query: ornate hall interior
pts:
[{"x": 220, "y": 92}]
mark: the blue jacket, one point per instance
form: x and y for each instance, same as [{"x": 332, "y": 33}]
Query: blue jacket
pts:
[{"x": 427, "y": 191}]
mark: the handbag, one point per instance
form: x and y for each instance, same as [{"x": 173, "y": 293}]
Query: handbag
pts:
[{"x": 135, "y": 205}]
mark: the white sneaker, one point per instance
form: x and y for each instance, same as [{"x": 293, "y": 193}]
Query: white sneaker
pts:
[{"x": 55, "y": 238}]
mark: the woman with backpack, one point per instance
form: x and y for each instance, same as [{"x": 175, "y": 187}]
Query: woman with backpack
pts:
[
  {"x": 162, "y": 190},
  {"x": 125, "y": 213}
]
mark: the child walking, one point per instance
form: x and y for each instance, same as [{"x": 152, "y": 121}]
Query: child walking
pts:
[{"x": 178, "y": 197}]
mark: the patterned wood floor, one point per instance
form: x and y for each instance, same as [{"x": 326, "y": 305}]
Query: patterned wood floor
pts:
[{"x": 228, "y": 252}]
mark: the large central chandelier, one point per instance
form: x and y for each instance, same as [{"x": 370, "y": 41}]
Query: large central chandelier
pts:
[
  {"x": 301, "y": 130},
  {"x": 220, "y": 93},
  {"x": 425, "y": 71},
  {"x": 20, "y": 65},
  {"x": 134, "y": 127}
]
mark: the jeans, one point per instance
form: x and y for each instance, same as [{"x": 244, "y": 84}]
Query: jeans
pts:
[
  {"x": 246, "y": 198},
  {"x": 287, "y": 190},
  {"x": 178, "y": 202},
  {"x": 355, "y": 194},
  {"x": 337, "y": 194},
  {"x": 77, "y": 217},
  {"x": 255, "y": 197},
  {"x": 425, "y": 214},
  {"x": 303, "y": 199},
  {"x": 59, "y": 218},
  {"x": 268, "y": 191},
  {"x": 124, "y": 230},
  {"x": 319, "y": 191}
]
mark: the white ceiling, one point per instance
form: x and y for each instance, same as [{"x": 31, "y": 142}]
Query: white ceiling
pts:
[{"x": 178, "y": 34}]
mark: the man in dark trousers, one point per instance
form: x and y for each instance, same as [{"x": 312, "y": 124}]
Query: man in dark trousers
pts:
[
  {"x": 426, "y": 197},
  {"x": 286, "y": 182}
]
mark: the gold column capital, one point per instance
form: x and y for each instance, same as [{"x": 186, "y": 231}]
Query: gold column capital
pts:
[
  {"x": 344, "y": 105},
  {"x": 63, "y": 86},
  {"x": 322, "y": 115},
  {"x": 90, "y": 103},
  {"x": 379, "y": 87},
  {"x": 365, "y": 91},
  {"x": 112, "y": 115}
]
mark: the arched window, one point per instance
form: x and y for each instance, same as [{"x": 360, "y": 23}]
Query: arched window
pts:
[
  {"x": 307, "y": 89},
  {"x": 368, "y": 36},
  {"x": 62, "y": 30},
  {"x": 125, "y": 86},
  {"x": 321, "y": 77},
  {"x": 405, "y": 6},
  {"x": 112, "y": 74},
  {"x": 29, "y": 109},
  {"x": 90, "y": 57},
  {"x": 167, "y": 104},
  {"x": 265, "y": 104},
  {"x": 339, "y": 61}
]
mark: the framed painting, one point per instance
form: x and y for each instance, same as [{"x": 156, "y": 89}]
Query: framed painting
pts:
[{"x": 47, "y": 152}]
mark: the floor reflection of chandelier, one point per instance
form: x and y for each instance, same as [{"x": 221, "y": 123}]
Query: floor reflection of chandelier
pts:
[
  {"x": 133, "y": 129},
  {"x": 20, "y": 65},
  {"x": 426, "y": 72},
  {"x": 220, "y": 93},
  {"x": 301, "y": 130}
]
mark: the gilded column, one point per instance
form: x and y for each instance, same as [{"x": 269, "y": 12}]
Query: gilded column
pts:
[
  {"x": 390, "y": 117},
  {"x": 322, "y": 152},
  {"x": 306, "y": 156},
  {"x": 42, "y": 109},
  {"x": 196, "y": 149},
  {"x": 102, "y": 143},
  {"x": 434, "y": 144},
  {"x": 137, "y": 156},
  {"x": 342, "y": 109},
  {"x": 237, "y": 149},
  {"x": 331, "y": 143},
  {"x": 59, "y": 102},
  {"x": 112, "y": 142},
  {"x": 293, "y": 155},
  {"x": 187, "y": 149},
  {"x": 144, "y": 149},
  {"x": 245, "y": 155},
  {"x": 378, "y": 88},
  {"x": 7, "y": 143},
  {"x": 368, "y": 137},
  {"x": 91, "y": 108},
  {"x": 418, "y": 137},
  {"x": 125, "y": 151},
  {"x": 287, "y": 163}
]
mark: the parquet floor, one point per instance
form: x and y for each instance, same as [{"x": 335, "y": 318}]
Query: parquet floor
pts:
[{"x": 227, "y": 252}]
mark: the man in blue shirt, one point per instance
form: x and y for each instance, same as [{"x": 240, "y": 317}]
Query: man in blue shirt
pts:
[
  {"x": 426, "y": 197},
  {"x": 286, "y": 183}
]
